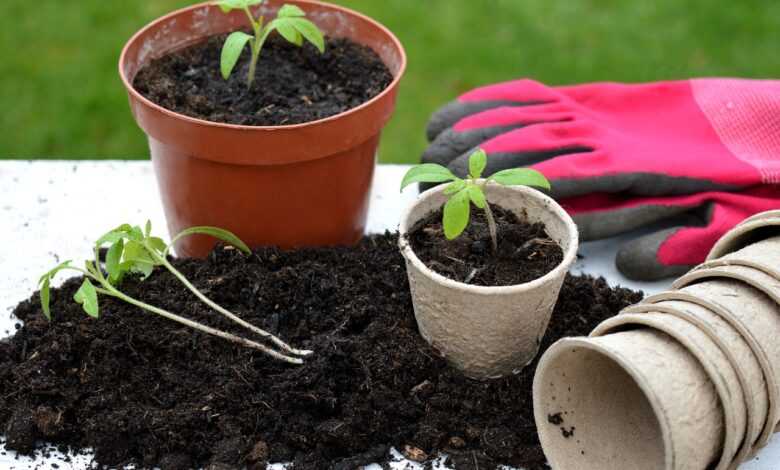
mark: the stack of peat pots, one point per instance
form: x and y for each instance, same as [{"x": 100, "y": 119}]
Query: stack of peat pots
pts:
[{"x": 687, "y": 379}]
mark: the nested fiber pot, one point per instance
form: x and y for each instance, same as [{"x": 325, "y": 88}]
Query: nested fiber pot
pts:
[
  {"x": 613, "y": 403},
  {"x": 298, "y": 185},
  {"x": 718, "y": 367},
  {"x": 488, "y": 332}
]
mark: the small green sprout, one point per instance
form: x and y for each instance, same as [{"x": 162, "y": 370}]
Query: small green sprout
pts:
[
  {"x": 132, "y": 250},
  {"x": 463, "y": 192},
  {"x": 290, "y": 23}
]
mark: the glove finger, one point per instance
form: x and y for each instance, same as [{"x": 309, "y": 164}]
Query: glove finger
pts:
[
  {"x": 523, "y": 90},
  {"x": 452, "y": 112},
  {"x": 515, "y": 93},
  {"x": 472, "y": 131},
  {"x": 601, "y": 216},
  {"x": 527, "y": 146},
  {"x": 638, "y": 259}
]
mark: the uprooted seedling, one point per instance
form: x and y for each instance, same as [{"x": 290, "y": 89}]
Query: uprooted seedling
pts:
[
  {"x": 132, "y": 250},
  {"x": 463, "y": 192}
]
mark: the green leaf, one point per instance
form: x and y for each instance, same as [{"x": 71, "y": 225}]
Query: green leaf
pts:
[
  {"x": 287, "y": 31},
  {"x": 123, "y": 231},
  {"x": 227, "y": 5},
  {"x": 148, "y": 228},
  {"x": 456, "y": 214},
  {"x": 477, "y": 163},
  {"x": 113, "y": 261},
  {"x": 454, "y": 187},
  {"x": 50, "y": 274},
  {"x": 290, "y": 11},
  {"x": 311, "y": 32},
  {"x": 521, "y": 177},
  {"x": 231, "y": 51},
  {"x": 158, "y": 244},
  {"x": 477, "y": 196},
  {"x": 427, "y": 173},
  {"x": 218, "y": 233},
  {"x": 87, "y": 297},
  {"x": 45, "y": 299},
  {"x": 135, "y": 251}
]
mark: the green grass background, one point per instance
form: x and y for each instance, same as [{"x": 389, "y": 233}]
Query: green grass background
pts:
[{"x": 61, "y": 97}]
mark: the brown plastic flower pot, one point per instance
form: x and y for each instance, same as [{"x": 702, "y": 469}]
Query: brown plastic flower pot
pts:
[{"x": 298, "y": 185}]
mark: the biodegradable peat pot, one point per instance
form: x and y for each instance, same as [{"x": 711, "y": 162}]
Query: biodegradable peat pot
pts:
[
  {"x": 297, "y": 185},
  {"x": 763, "y": 255},
  {"x": 752, "y": 230},
  {"x": 488, "y": 332},
  {"x": 739, "y": 352},
  {"x": 625, "y": 406},
  {"x": 743, "y": 294},
  {"x": 715, "y": 363}
]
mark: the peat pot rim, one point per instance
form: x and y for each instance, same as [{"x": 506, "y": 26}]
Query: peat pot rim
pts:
[
  {"x": 127, "y": 81},
  {"x": 568, "y": 256}
]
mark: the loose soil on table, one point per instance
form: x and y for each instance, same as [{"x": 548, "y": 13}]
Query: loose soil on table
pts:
[
  {"x": 142, "y": 390},
  {"x": 525, "y": 251},
  {"x": 292, "y": 85}
]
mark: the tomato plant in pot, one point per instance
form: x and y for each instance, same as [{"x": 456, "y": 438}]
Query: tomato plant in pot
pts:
[
  {"x": 484, "y": 285},
  {"x": 255, "y": 110}
]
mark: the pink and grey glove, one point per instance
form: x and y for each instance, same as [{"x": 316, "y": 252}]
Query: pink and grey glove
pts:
[
  {"x": 694, "y": 223},
  {"x": 619, "y": 155},
  {"x": 654, "y": 139}
]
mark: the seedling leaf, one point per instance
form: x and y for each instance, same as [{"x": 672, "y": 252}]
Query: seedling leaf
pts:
[
  {"x": 456, "y": 214},
  {"x": 427, "y": 173},
  {"x": 218, "y": 233},
  {"x": 231, "y": 51},
  {"x": 45, "y": 296},
  {"x": 521, "y": 176},
  {"x": 454, "y": 187},
  {"x": 477, "y": 196},
  {"x": 290, "y": 11},
  {"x": 477, "y": 163},
  {"x": 287, "y": 30},
  {"x": 54, "y": 271},
  {"x": 310, "y": 32},
  {"x": 148, "y": 228},
  {"x": 227, "y": 5},
  {"x": 87, "y": 297},
  {"x": 113, "y": 261},
  {"x": 158, "y": 244}
]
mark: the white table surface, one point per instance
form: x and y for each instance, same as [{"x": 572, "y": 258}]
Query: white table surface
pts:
[{"x": 51, "y": 211}]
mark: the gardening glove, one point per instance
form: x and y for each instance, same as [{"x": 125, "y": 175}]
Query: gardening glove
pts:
[
  {"x": 693, "y": 224},
  {"x": 656, "y": 139}
]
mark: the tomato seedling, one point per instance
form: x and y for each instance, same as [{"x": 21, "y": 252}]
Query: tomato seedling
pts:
[
  {"x": 132, "y": 250},
  {"x": 290, "y": 23},
  {"x": 463, "y": 192}
]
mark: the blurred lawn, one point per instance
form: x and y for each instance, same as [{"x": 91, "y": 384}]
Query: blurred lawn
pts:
[{"x": 61, "y": 97}]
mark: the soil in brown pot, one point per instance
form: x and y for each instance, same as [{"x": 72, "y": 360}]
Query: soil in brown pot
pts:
[
  {"x": 292, "y": 84},
  {"x": 525, "y": 250},
  {"x": 139, "y": 389}
]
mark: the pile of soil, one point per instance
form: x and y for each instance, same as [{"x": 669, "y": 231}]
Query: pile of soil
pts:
[
  {"x": 142, "y": 390},
  {"x": 292, "y": 84},
  {"x": 525, "y": 250}
]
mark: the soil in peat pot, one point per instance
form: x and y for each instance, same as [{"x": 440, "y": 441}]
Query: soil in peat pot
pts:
[
  {"x": 139, "y": 389},
  {"x": 525, "y": 251},
  {"x": 292, "y": 85}
]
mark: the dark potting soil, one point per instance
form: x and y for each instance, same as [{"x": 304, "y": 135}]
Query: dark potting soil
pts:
[
  {"x": 292, "y": 84},
  {"x": 142, "y": 390},
  {"x": 525, "y": 251}
]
